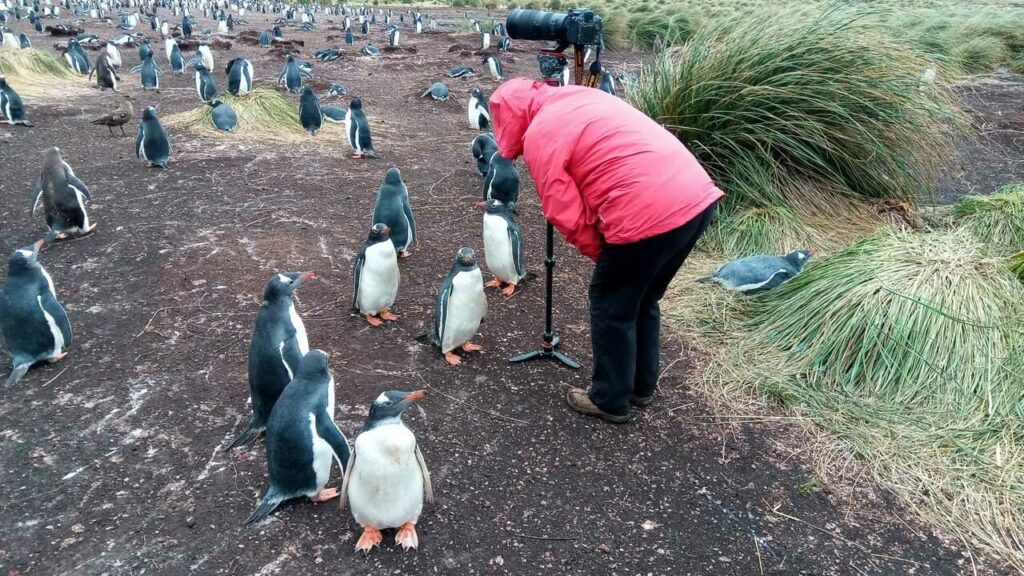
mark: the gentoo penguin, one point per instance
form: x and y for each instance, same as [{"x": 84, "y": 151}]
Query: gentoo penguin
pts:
[
  {"x": 106, "y": 76},
  {"x": 607, "y": 83},
  {"x": 113, "y": 54},
  {"x": 460, "y": 71},
  {"x": 205, "y": 55},
  {"x": 310, "y": 115},
  {"x": 371, "y": 50},
  {"x": 461, "y": 307},
  {"x": 24, "y": 41},
  {"x": 387, "y": 478},
  {"x": 149, "y": 73},
  {"x": 165, "y": 29},
  {"x": 350, "y": 38},
  {"x": 278, "y": 344},
  {"x": 395, "y": 211},
  {"x": 485, "y": 40},
  {"x": 438, "y": 91},
  {"x": 755, "y": 274},
  {"x": 119, "y": 117},
  {"x": 503, "y": 247},
  {"x": 240, "y": 73},
  {"x": 290, "y": 75},
  {"x": 327, "y": 55},
  {"x": 501, "y": 182},
  {"x": 152, "y": 143},
  {"x": 375, "y": 277},
  {"x": 484, "y": 147},
  {"x": 223, "y": 115},
  {"x": 494, "y": 65},
  {"x": 174, "y": 56},
  {"x": 277, "y": 33},
  {"x": 334, "y": 114},
  {"x": 393, "y": 36},
  {"x": 478, "y": 113},
  {"x": 11, "y": 106},
  {"x": 76, "y": 58},
  {"x": 265, "y": 38},
  {"x": 366, "y": 27},
  {"x": 303, "y": 442},
  {"x": 186, "y": 27},
  {"x": 62, "y": 196},
  {"x": 336, "y": 90},
  {"x": 504, "y": 43},
  {"x": 206, "y": 87},
  {"x": 359, "y": 131},
  {"x": 33, "y": 322},
  {"x": 145, "y": 50}
]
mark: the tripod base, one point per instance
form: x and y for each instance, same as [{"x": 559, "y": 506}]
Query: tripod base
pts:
[{"x": 548, "y": 351}]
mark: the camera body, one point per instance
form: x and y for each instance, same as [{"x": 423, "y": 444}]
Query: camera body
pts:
[{"x": 579, "y": 26}]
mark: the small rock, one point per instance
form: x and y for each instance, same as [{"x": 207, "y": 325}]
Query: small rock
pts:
[
  {"x": 78, "y": 528},
  {"x": 604, "y": 549}
]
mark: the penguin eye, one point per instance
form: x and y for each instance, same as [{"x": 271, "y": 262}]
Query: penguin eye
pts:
[{"x": 387, "y": 403}]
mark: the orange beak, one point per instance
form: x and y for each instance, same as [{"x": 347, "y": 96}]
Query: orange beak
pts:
[
  {"x": 308, "y": 276},
  {"x": 414, "y": 396}
]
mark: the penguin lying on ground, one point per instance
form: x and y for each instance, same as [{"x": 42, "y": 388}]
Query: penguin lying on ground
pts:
[
  {"x": 394, "y": 210},
  {"x": 387, "y": 478},
  {"x": 437, "y": 91},
  {"x": 278, "y": 344},
  {"x": 33, "y": 322},
  {"x": 63, "y": 198},
  {"x": 336, "y": 90},
  {"x": 303, "y": 442},
  {"x": 756, "y": 274},
  {"x": 223, "y": 116},
  {"x": 503, "y": 247},
  {"x": 359, "y": 131},
  {"x": 461, "y": 307},
  {"x": 484, "y": 147},
  {"x": 334, "y": 114},
  {"x": 460, "y": 71},
  {"x": 376, "y": 277},
  {"x": 11, "y": 106}
]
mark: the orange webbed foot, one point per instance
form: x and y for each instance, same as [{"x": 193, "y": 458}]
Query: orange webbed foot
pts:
[
  {"x": 453, "y": 358},
  {"x": 371, "y": 537},
  {"x": 325, "y": 495},
  {"x": 406, "y": 536},
  {"x": 388, "y": 315},
  {"x": 509, "y": 290},
  {"x": 373, "y": 320},
  {"x": 470, "y": 347},
  {"x": 493, "y": 283}
]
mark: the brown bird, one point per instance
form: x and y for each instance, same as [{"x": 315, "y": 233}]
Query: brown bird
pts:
[{"x": 118, "y": 117}]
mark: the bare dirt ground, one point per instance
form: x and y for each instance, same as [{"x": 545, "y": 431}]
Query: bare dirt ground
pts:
[{"x": 110, "y": 461}]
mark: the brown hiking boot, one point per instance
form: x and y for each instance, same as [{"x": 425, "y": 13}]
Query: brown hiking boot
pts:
[{"x": 579, "y": 401}]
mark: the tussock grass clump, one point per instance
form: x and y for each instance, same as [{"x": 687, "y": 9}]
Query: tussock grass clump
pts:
[
  {"x": 997, "y": 220},
  {"x": 672, "y": 25},
  {"x": 771, "y": 102},
  {"x": 37, "y": 74},
  {"x": 1017, "y": 265},
  {"x": 262, "y": 114}
]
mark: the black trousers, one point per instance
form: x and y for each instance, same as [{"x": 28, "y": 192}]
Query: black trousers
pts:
[{"x": 625, "y": 316}]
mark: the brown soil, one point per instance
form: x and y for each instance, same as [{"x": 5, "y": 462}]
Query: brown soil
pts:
[{"x": 111, "y": 460}]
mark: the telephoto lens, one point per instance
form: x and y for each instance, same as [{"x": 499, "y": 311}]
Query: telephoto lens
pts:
[{"x": 526, "y": 24}]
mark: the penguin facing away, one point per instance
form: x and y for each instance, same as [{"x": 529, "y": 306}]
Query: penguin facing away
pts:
[
  {"x": 303, "y": 442},
  {"x": 152, "y": 143},
  {"x": 149, "y": 73},
  {"x": 106, "y": 76},
  {"x": 484, "y": 147},
  {"x": 310, "y": 115},
  {"x": 278, "y": 344},
  {"x": 755, "y": 274},
  {"x": 494, "y": 65},
  {"x": 239, "y": 72},
  {"x": 63, "y": 197},
  {"x": 358, "y": 128},
  {"x": 394, "y": 209},
  {"x": 503, "y": 247},
  {"x": 34, "y": 324},
  {"x": 477, "y": 111},
  {"x": 11, "y": 106},
  {"x": 376, "y": 277},
  {"x": 290, "y": 75},
  {"x": 501, "y": 182},
  {"x": 460, "y": 308},
  {"x": 206, "y": 87},
  {"x": 387, "y": 481}
]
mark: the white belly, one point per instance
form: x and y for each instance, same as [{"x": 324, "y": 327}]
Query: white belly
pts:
[
  {"x": 58, "y": 336},
  {"x": 498, "y": 249},
  {"x": 300, "y": 329},
  {"x": 386, "y": 487},
  {"x": 378, "y": 281},
  {"x": 323, "y": 456},
  {"x": 466, "y": 308}
]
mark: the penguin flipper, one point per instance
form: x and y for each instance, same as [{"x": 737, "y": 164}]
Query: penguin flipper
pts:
[
  {"x": 428, "y": 489},
  {"x": 515, "y": 238},
  {"x": 328, "y": 430},
  {"x": 357, "y": 272},
  {"x": 79, "y": 185},
  {"x": 135, "y": 69},
  {"x": 407, "y": 208},
  {"x": 270, "y": 501},
  {"x": 705, "y": 280},
  {"x": 37, "y": 193},
  {"x": 247, "y": 436},
  {"x": 138, "y": 140},
  {"x": 52, "y": 307},
  {"x": 441, "y": 310},
  {"x": 17, "y": 374},
  {"x": 343, "y": 499}
]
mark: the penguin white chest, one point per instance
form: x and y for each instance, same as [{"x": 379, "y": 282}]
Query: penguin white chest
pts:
[
  {"x": 498, "y": 250},
  {"x": 378, "y": 281},
  {"x": 386, "y": 487},
  {"x": 300, "y": 329},
  {"x": 323, "y": 455},
  {"x": 473, "y": 114},
  {"x": 58, "y": 336},
  {"x": 466, "y": 308}
]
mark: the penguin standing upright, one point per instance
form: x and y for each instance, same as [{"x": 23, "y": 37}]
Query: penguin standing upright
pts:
[
  {"x": 106, "y": 76},
  {"x": 240, "y": 73},
  {"x": 63, "y": 198},
  {"x": 358, "y": 128},
  {"x": 387, "y": 480},
  {"x": 290, "y": 76},
  {"x": 24, "y": 41},
  {"x": 205, "y": 55},
  {"x": 494, "y": 65},
  {"x": 186, "y": 27},
  {"x": 113, "y": 54},
  {"x": 310, "y": 115},
  {"x": 394, "y": 209},
  {"x": 303, "y": 442},
  {"x": 33, "y": 322},
  {"x": 478, "y": 113},
  {"x": 501, "y": 182},
  {"x": 278, "y": 344},
  {"x": 350, "y": 38},
  {"x": 265, "y": 39},
  {"x": 174, "y": 57},
  {"x": 149, "y": 73},
  {"x": 76, "y": 58},
  {"x": 461, "y": 307},
  {"x": 206, "y": 87},
  {"x": 376, "y": 276},
  {"x": 145, "y": 50},
  {"x": 11, "y": 106},
  {"x": 503, "y": 247},
  {"x": 152, "y": 143},
  {"x": 484, "y": 147},
  {"x": 393, "y": 36}
]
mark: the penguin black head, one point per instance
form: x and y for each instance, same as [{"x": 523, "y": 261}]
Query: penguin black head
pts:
[
  {"x": 465, "y": 260},
  {"x": 389, "y": 406},
  {"x": 494, "y": 206},
  {"x": 355, "y": 104},
  {"x": 313, "y": 367},
  {"x": 283, "y": 284},
  {"x": 393, "y": 177},
  {"x": 24, "y": 259},
  {"x": 478, "y": 94},
  {"x": 379, "y": 233},
  {"x": 291, "y": 58},
  {"x": 200, "y": 67},
  {"x": 307, "y": 91},
  {"x": 3, "y": 83},
  {"x": 149, "y": 113},
  {"x": 215, "y": 102}
]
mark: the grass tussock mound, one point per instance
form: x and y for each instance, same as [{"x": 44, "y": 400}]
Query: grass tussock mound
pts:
[
  {"x": 262, "y": 114},
  {"x": 775, "y": 105},
  {"x": 1017, "y": 265},
  {"x": 997, "y": 220},
  {"x": 906, "y": 349},
  {"x": 35, "y": 74}
]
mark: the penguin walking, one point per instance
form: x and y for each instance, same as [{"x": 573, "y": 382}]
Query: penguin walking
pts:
[
  {"x": 240, "y": 73},
  {"x": 106, "y": 76},
  {"x": 494, "y": 65},
  {"x": 11, "y": 106},
  {"x": 223, "y": 116},
  {"x": 310, "y": 115},
  {"x": 206, "y": 87},
  {"x": 359, "y": 131},
  {"x": 478, "y": 112},
  {"x": 461, "y": 307},
  {"x": 119, "y": 117},
  {"x": 278, "y": 344},
  {"x": 34, "y": 324},
  {"x": 303, "y": 442},
  {"x": 394, "y": 210},
  {"x": 291, "y": 76},
  {"x": 376, "y": 277},
  {"x": 63, "y": 197},
  {"x": 503, "y": 247},
  {"x": 387, "y": 480},
  {"x": 484, "y": 147},
  {"x": 152, "y": 143},
  {"x": 501, "y": 182}
]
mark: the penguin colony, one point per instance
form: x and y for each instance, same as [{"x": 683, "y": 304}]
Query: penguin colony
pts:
[{"x": 385, "y": 477}]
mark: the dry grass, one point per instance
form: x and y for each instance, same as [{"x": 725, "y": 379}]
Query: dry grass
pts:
[{"x": 40, "y": 76}]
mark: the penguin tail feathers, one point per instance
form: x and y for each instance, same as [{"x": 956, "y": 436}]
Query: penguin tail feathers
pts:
[
  {"x": 25, "y": 123},
  {"x": 251, "y": 433},
  {"x": 705, "y": 280},
  {"x": 270, "y": 501},
  {"x": 530, "y": 275},
  {"x": 17, "y": 373}
]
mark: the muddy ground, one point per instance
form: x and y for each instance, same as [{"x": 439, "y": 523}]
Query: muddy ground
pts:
[{"x": 111, "y": 462}]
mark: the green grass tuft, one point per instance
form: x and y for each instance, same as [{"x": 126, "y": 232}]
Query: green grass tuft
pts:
[
  {"x": 1017, "y": 265},
  {"x": 263, "y": 113},
  {"x": 997, "y": 220},
  {"x": 37, "y": 74}
]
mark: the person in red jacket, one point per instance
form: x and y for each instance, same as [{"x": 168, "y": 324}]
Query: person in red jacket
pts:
[{"x": 628, "y": 195}]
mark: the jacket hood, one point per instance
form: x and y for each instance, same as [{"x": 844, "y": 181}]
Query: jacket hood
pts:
[{"x": 513, "y": 106}]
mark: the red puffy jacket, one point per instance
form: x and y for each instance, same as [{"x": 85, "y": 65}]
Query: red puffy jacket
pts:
[{"x": 605, "y": 172}]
